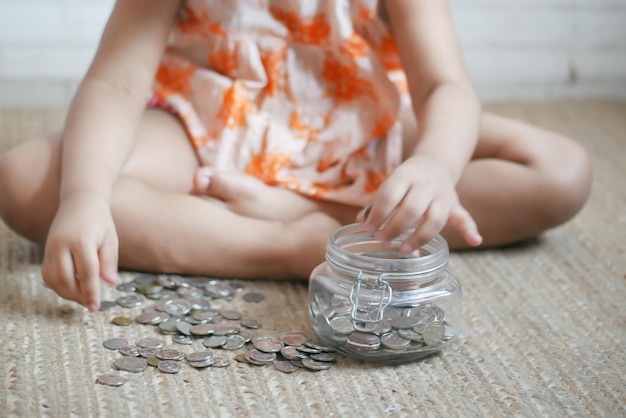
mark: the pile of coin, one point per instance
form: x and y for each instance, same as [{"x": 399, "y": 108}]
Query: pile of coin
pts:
[
  {"x": 410, "y": 331},
  {"x": 183, "y": 310}
]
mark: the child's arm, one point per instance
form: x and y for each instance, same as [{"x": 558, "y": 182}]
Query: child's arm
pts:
[
  {"x": 422, "y": 190},
  {"x": 98, "y": 137}
]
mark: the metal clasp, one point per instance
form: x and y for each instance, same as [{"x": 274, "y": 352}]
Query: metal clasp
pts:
[{"x": 379, "y": 284}]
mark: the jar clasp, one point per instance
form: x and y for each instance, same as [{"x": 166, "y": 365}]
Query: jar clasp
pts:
[{"x": 378, "y": 284}]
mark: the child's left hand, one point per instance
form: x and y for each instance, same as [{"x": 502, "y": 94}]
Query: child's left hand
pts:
[{"x": 420, "y": 192}]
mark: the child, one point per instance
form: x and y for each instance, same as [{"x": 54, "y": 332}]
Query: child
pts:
[{"x": 270, "y": 124}]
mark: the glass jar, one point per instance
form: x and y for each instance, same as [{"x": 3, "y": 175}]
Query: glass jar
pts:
[{"x": 371, "y": 302}]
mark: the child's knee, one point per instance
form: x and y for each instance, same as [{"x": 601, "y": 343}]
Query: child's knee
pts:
[
  {"x": 567, "y": 184},
  {"x": 29, "y": 184}
]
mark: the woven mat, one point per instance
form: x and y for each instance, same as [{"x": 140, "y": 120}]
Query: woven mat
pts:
[{"x": 546, "y": 323}]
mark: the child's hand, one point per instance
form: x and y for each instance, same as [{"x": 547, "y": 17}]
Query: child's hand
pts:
[
  {"x": 82, "y": 246},
  {"x": 420, "y": 192}
]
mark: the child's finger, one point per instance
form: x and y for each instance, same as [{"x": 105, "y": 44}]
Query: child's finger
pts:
[
  {"x": 86, "y": 266},
  {"x": 431, "y": 224},
  {"x": 108, "y": 260},
  {"x": 465, "y": 224}
]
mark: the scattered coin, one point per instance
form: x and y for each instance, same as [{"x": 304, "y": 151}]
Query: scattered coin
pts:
[
  {"x": 122, "y": 321},
  {"x": 220, "y": 362},
  {"x": 268, "y": 344},
  {"x": 254, "y": 297},
  {"x": 150, "y": 342},
  {"x": 106, "y": 305},
  {"x": 170, "y": 366},
  {"x": 131, "y": 364},
  {"x": 295, "y": 338},
  {"x": 285, "y": 366},
  {"x": 130, "y": 301},
  {"x": 130, "y": 350},
  {"x": 111, "y": 380},
  {"x": 315, "y": 365},
  {"x": 115, "y": 343}
]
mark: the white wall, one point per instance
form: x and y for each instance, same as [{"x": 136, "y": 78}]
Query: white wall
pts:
[{"x": 529, "y": 49}]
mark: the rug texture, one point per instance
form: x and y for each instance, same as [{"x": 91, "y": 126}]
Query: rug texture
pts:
[{"x": 546, "y": 322}]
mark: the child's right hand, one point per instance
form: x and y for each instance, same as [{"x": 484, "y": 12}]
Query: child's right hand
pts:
[{"x": 81, "y": 247}]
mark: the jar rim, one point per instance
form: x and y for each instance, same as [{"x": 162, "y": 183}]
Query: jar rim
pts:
[{"x": 342, "y": 251}]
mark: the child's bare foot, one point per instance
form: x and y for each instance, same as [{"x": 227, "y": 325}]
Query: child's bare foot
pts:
[{"x": 249, "y": 196}]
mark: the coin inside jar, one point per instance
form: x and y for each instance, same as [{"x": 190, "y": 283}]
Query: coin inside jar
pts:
[
  {"x": 433, "y": 333},
  {"x": 364, "y": 340}
]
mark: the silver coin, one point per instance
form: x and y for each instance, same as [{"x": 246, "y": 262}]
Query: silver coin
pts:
[
  {"x": 177, "y": 307},
  {"x": 220, "y": 362},
  {"x": 247, "y": 335},
  {"x": 259, "y": 358},
  {"x": 130, "y": 301},
  {"x": 326, "y": 357},
  {"x": 151, "y": 318},
  {"x": 319, "y": 346},
  {"x": 218, "y": 290},
  {"x": 315, "y": 365},
  {"x": 115, "y": 343},
  {"x": 106, "y": 305},
  {"x": 267, "y": 344},
  {"x": 128, "y": 287},
  {"x": 150, "y": 342},
  {"x": 254, "y": 297},
  {"x": 362, "y": 340},
  {"x": 394, "y": 341},
  {"x": 205, "y": 315},
  {"x": 170, "y": 366},
  {"x": 201, "y": 364},
  {"x": 308, "y": 350},
  {"x": 145, "y": 278},
  {"x": 148, "y": 352},
  {"x": 342, "y": 324},
  {"x": 169, "y": 326},
  {"x": 234, "y": 342},
  {"x": 285, "y": 366},
  {"x": 404, "y": 322},
  {"x": 130, "y": 350},
  {"x": 291, "y": 353},
  {"x": 225, "y": 329},
  {"x": 202, "y": 329},
  {"x": 250, "y": 323},
  {"x": 184, "y": 327},
  {"x": 166, "y": 281},
  {"x": 131, "y": 364},
  {"x": 433, "y": 333},
  {"x": 411, "y": 334},
  {"x": 294, "y": 338},
  {"x": 184, "y": 339},
  {"x": 189, "y": 293},
  {"x": 170, "y": 354},
  {"x": 199, "y": 356},
  {"x": 214, "y": 341},
  {"x": 111, "y": 380},
  {"x": 231, "y": 314}
]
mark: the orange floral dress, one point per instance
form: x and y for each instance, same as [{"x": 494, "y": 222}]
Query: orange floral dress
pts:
[{"x": 303, "y": 94}]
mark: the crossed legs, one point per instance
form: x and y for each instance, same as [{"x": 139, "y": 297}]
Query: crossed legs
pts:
[{"x": 521, "y": 181}]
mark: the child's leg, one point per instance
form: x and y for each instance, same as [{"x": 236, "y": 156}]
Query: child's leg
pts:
[
  {"x": 160, "y": 226},
  {"x": 521, "y": 181}
]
